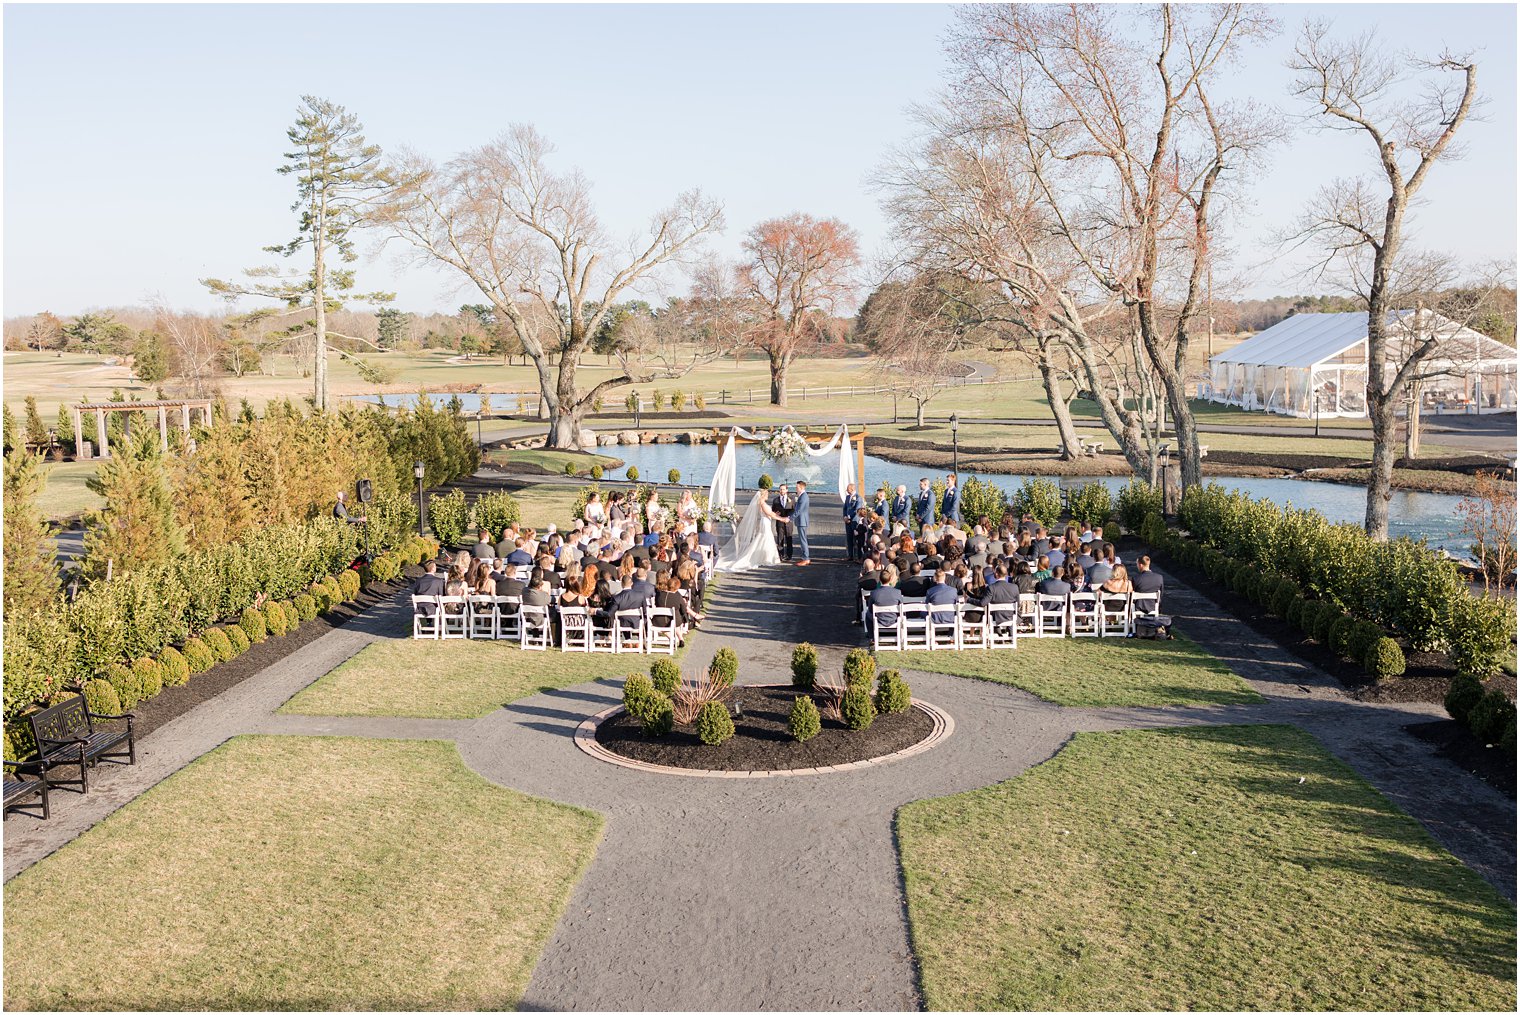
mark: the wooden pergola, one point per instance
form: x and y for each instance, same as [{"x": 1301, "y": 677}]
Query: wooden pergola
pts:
[
  {"x": 183, "y": 408},
  {"x": 857, "y": 441}
]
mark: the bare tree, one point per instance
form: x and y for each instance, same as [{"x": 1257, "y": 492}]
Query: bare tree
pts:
[
  {"x": 1128, "y": 148},
  {"x": 1357, "y": 86},
  {"x": 798, "y": 269},
  {"x": 528, "y": 238},
  {"x": 914, "y": 328},
  {"x": 196, "y": 346}
]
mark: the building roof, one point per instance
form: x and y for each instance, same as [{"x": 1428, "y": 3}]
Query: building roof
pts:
[{"x": 1306, "y": 339}]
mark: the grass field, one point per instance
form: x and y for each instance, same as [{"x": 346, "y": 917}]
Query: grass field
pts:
[
  {"x": 462, "y": 679},
  {"x": 64, "y": 494},
  {"x": 554, "y": 462},
  {"x": 300, "y": 873},
  {"x": 1225, "y": 868},
  {"x": 1095, "y": 672}
]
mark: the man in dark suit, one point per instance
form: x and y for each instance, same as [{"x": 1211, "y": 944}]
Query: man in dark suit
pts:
[
  {"x": 882, "y": 505},
  {"x": 483, "y": 547},
  {"x": 941, "y": 594},
  {"x": 519, "y": 556},
  {"x": 916, "y": 584},
  {"x": 429, "y": 583},
  {"x": 1144, "y": 579},
  {"x": 706, "y": 537},
  {"x": 641, "y": 582},
  {"x": 885, "y": 594},
  {"x": 923, "y": 508},
  {"x": 631, "y": 598},
  {"x": 900, "y": 504},
  {"x": 782, "y": 505},
  {"x": 950, "y": 506},
  {"x": 1055, "y": 585},
  {"x": 851, "y": 533},
  {"x": 1100, "y": 572},
  {"x": 1001, "y": 591},
  {"x": 1084, "y": 560}
]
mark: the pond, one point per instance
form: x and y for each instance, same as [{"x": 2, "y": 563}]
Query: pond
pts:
[{"x": 1428, "y": 515}]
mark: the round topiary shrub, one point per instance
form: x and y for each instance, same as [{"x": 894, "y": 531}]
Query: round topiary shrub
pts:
[
  {"x": 175, "y": 666},
  {"x": 570, "y": 469},
  {"x": 252, "y": 623},
  {"x": 1490, "y": 716},
  {"x": 1284, "y": 598},
  {"x": 1384, "y": 660},
  {"x": 348, "y": 584},
  {"x": 333, "y": 589},
  {"x": 306, "y": 607},
  {"x": 101, "y": 697},
  {"x": 274, "y": 619},
  {"x": 219, "y": 642},
  {"x": 665, "y": 675},
  {"x": 859, "y": 670},
  {"x": 804, "y": 722},
  {"x": 237, "y": 640},
  {"x": 632, "y": 473},
  {"x": 714, "y": 725},
  {"x": 1309, "y": 616},
  {"x": 892, "y": 693},
  {"x": 1295, "y": 612},
  {"x": 1328, "y": 615},
  {"x": 150, "y": 677},
  {"x": 804, "y": 666},
  {"x": 1465, "y": 691},
  {"x": 765, "y": 482},
  {"x": 199, "y": 655},
  {"x": 127, "y": 683},
  {"x": 320, "y": 597},
  {"x": 724, "y": 668},
  {"x": 1363, "y": 636},
  {"x": 1340, "y": 633},
  {"x": 857, "y": 709},
  {"x": 674, "y": 475},
  {"x": 659, "y": 716},
  {"x": 597, "y": 472},
  {"x": 384, "y": 568},
  {"x": 637, "y": 690}
]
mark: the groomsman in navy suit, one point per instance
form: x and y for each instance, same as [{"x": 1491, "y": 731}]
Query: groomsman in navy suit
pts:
[
  {"x": 900, "y": 505},
  {"x": 925, "y": 506},
  {"x": 950, "y": 507},
  {"x": 851, "y": 505},
  {"x": 800, "y": 520}
]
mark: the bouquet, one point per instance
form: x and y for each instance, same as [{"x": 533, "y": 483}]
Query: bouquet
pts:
[{"x": 783, "y": 446}]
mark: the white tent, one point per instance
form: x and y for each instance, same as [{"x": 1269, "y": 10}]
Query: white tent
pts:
[{"x": 1322, "y": 358}]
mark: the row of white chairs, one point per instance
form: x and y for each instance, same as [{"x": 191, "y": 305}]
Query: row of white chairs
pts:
[
  {"x": 651, "y": 629},
  {"x": 915, "y": 624}
]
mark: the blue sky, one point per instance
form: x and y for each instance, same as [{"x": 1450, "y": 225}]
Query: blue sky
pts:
[{"x": 141, "y": 142}]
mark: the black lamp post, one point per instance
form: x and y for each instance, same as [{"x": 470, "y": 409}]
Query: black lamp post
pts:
[
  {"x": 1316, "y": 411},
  {"x": 955, "y": 443},
  {"x": 419, "y": 471}
]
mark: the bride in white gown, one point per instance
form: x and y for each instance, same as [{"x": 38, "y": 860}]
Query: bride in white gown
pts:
[{"x": 754, "y": 542}]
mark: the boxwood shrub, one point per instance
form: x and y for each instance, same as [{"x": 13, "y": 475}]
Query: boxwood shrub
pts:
[
  {"x": 1384, "y": 659},
  {"x": 714, "y": 724},
  {"x": 1328, "y": 616},
  {"x": 857, "y": 709},
  {"x": 274, "y": 619},
  {"x": 1490, "y": 716},
  {"x": 1361, "y": 639},
  {"x": 306, "y": 607},
  {"x": 252, "y": 623},
  {"x": 176, "y": 668},
  {"x": 199, "y": 655},
  {"x": 238, "y": 640},
  {"x": 665, "y": 675},
  {"x": 348, "y": 584},
  {"x": 150, "y": 677},
  {"x": 892, "y": 693},
  {"x": 218, "y": 641},
  {"x": 101, "y": 697},
  {"x": 128, "y": 684},
  {"x": 804, "y": 722},
  {"x": 859, "y": 671},
  {"x": 804, "y": 666},
  {"x": 1465, "y": 691}
]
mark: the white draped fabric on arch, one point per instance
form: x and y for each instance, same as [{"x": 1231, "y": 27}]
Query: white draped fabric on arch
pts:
[{"x": 724, "y": 479}]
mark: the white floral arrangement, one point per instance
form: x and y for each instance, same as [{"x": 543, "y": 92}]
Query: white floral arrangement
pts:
[
  {"x": 725, "y": 513},
  {"x": 784, "y": 446}
]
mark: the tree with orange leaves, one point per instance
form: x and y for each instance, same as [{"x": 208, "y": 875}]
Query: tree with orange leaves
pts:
[{"x": 798, "y": 269}]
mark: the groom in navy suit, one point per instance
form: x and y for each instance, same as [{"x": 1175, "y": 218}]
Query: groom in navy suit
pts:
[
  {"x": 851, "y": 533},
  {"x": 950, "y": 508},
  {"x": 800, "y": 522}
]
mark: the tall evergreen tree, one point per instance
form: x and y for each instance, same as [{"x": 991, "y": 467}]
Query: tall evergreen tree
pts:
[
  {"x": 339, "y": 176},
  {"x": 66, "y": 429},
  {"x": 137, "y": 524},
  {"x": 36, "y": 429},
  {"x": 31, "y": 576}
]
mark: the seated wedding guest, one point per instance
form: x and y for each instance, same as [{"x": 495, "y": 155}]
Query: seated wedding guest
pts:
[
  {"x": 484, "y": 583},
  {"x": 1099, "y": 572},
  {"x": 1039, "y": 541},
  {"x": 531, "y": 543},
  {"x": 1025, "y": 546},
  {"x": 570, "y": 591},
  {"x": 975, "y": 589},
  {"x": 1084, "y": 560},
  {"x": 932, "y": 560},
  {"x": 456, "y": 586},
  {"x": 1056, "y": 557},
  {"x": 705, "y": 536},
  {"x": 624, "y": 601},
  {"x": 1099, "y": 544},
  {"x": 1118, "y": 583},
  {"x": 1087, "y": 533},
  {"x": 505, "y": 545},
  {"x": 544, "y": 570},
  {"x": 1075, "y": 575},
  {"x": 1053, "y": 586},
  {"x": 1042, "y": 569},
  {"x": 1146, "y": 580},
  {"x": 916, "y": 583},
  {"x": 641, "y": 583},
  {"x": 1024, "y": 578},
  {"x": 483, "y": 546},
  {"x": 1001, "y": 591},
  {"x": 959, "y": 577},
  {"x": 997, "y": 544},
  {"x": 461, "y": 561},
  {"x": 519, "y": 556},
  {"x": 884, "y": 594},
  {"x": 668, "y": 596},
  {"x": 941, "y": 594},
  {"x": 429, "y": 583},
  {"x": 689, "y": 577},
  {"x": 508, "y": 584}
]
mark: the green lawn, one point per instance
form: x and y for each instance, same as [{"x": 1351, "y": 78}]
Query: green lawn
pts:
[
  {"x": 64, "y": 494},
  {"x": 460, "y": 679},
  {"x": 300, "y": 873},
  {"x": 553, "y": 461},
  {"x": 1095, "y": 672},
  {"x": 1229, "y": 868}
]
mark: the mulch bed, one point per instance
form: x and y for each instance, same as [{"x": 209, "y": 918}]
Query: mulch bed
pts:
[
  {"x": 761, "y": 741},
  {"x": 1455, "y": 743},
  {"x": 173, "y": 702}
]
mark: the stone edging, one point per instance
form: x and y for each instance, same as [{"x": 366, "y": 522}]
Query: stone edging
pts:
[{"x": 585, "y": 739}]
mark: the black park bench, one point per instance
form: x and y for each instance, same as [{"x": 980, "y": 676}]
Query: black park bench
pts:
[
  {"x": 18, "y": 789},
  {"x": 66, "y": 734}
]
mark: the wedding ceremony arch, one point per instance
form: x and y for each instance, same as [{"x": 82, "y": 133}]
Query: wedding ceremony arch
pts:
[{"x": 851, "y": 449}]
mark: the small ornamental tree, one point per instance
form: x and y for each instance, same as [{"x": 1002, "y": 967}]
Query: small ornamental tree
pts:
[
  {"x": 714, "y": 724},
  {"x": 31, "y": 575},
  {"x": 858, "y": 710},
  {"x": 804, "y": 722},
  {"x": 665, "y": 675},
  {"x": 893, "y": 693},
  {"x": 804, "y": 666},
  {"x": 859, "y": 669}
]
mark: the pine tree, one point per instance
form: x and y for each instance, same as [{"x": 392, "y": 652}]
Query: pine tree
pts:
[
  {"x": 66, "y": 429},
  {"x": 10, "y": 429},
  {"x": 137, "y": 524},
  {"x": 36, "y": 429},
  {"x": 31, "y": 576},
  {"x": 212, "y": 489}
]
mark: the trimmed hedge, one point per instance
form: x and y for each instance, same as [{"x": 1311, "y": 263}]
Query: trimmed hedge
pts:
[{"x": 238, "y": 639}]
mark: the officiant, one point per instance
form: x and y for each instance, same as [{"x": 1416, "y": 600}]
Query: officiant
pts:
[{"x": 783, "y": 504}]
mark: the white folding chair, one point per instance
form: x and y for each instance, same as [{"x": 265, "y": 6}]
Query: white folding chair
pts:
[
  {"x": 886, "y": 627},
  {"x": 944, "y": 633},
  {"x": 574, "y": 629},
  {"x": 914, "y": 621},
  {"x": 483, "y": 617},
  {"x": 508, "y": 617},
  {"x": 1002, "y": 625},
  {"x": 1050, "y": 617},
  {"x": 426, "y": 625},
  {"x": 1143, "y": 604},
  {"x": 456, "y": 617},
  {"x": 663, "y": 634},
  {"x": 1083, "y": 610},
  {"x": 1113, "y": 615},
  {"x": 535, "y": 627},
  {"x": 600, "y": 633},
  {"x": 524, "y": 572},
  {"x": 629, "y": 637},
  {"x": 971, "y": 625},
  {"x": 1028, "y": 615}
]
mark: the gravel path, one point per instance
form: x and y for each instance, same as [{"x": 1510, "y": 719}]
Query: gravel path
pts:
[{"x": 785, "y": 894}]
